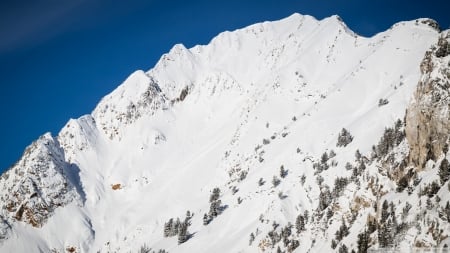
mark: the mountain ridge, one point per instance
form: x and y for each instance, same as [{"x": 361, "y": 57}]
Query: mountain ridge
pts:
[{"x": 226, "y": 115}]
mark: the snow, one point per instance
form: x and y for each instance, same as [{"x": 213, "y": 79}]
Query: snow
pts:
[{"x": 243, "y": 87}]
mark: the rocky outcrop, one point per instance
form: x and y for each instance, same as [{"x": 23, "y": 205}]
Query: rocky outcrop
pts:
[
  {"x": 36, "y": 185},
  {"x": 428, "y": 116}
]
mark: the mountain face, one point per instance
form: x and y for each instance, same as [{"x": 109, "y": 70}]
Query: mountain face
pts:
[{"x": 296, "y": 135}]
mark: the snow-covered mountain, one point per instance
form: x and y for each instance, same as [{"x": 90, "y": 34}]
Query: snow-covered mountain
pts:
[{"x": 295, "y": 135}]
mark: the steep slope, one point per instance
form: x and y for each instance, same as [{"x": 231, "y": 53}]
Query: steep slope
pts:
[{"x": 256, "y": 114}]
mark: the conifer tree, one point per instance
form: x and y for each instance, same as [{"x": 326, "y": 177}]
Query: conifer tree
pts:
[
  {"x": 300, "y": 223},
  {"x": 206, "y": 219},
  {"x": 183, "y": 233},
  {"x": 384, "y": 211},
  {"x": 343, "y": 249},
  {"x": 444, "y": 171},
  {"x": 252, "y": 238},
  {"x": 344, "y": 138},
  {"x": 275, "y": 181},
  {"x": 363, "y": 242},
  {"x": 283, "y": 172}
]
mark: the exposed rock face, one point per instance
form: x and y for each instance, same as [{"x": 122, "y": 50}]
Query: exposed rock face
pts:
[
  {"x": 428, "y": 116},
  {"x": 36, "y": 185}
]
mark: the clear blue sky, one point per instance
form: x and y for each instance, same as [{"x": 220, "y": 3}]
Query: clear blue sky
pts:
[{"x": 59, "y": 58}]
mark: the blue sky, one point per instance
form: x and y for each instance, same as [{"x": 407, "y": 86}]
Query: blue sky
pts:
[{"x": 59, "y": 58}]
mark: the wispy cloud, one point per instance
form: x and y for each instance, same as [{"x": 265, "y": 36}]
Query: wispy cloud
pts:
[{"x": 25, "y": 24}]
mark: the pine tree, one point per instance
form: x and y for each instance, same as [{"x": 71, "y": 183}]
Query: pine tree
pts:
[
  {"x": 279, "y": 250},
  {"x": 300, "y": 223},
  {"x": 339, "y": 186},
  {"x": 206, "y": 219},
  {"x": 143, "y": 249},
  {"x": 283, "y": 172},
  {"x": 384, "y": 211},
  {"x": 333, "y": 244},
  {"x": 183, "y": 235},
  {"x": 293, "y": 245},
  {"x": 174, "y": 230},
  {"x": 332, "y": 154},
  {"x": 261, "y": 182},
  {"x": 168, "y": 227},
  {"x": 358, "y": 155},
  {"x": 214, "y": 209},
  {"x": 275, "y": 181},
  {"x": 343, "y": 249},
  {"x": 214, "y": 195},
  {"x": 444, "y": 171},
  {"x": 303, "y": 179},
  {"x": 447, "y": 211},
  {"x": 363, "y": 242},
  {"x": 385, "y": 234},
  {"x": 252, "y": 238},
  {"x": 344, "y": 138},
  {"x": 324, "y": 199},
  {"x": 329, "y": 213},
  {"x": 324, "y": 158},
  {"x": 342, "y": 232}
]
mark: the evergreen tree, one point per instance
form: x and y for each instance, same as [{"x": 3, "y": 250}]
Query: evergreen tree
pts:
[
  {"x": 329, "y": 213},
  {"x": 261, "y": 182},
  {"x": 333, "y": 244},
  {"x": 275, "y": 181},
  {"x": 342, "y": 231},
  {"x": 168, "y": 227},
  {"x": 385, "y": 234},
  {"x": 206, "y": 219},
  {"x": 371, "y": 226},
  {"x": 444, "y": 171},
  {"x": 324, "y": 198},
  {"x": 348, "y": 166},
  {"x": 175, "y": 227},
  {"x": 363, "y": 242},
  {"x": 279, "y": 250},
  {"x": 344, "y": 138},
  {"x": 339, "y": 186},
  {"x": 384, "y": 211},
  {"x": 324, "y": 158},
  {"x": 214, "y": 195},
  {"x": 303, "y": 179},
  {"x": 144, "y": 249},
  {"x": 402, "y": 183},
  {"x": 358, "y": 155},
  {"x": 361, "y": 167},
  {"x": 332, "y": 154},
  {"x": 300, "y": 223},
  {"x": 343, "y": 249},
  {"x": 183, "y": 235},
  {"x": 252, "y": 238},
  {"x": 285, "y": 233},
  {"x": 355, "y": 173},
  {"x": 214, "y": 208},
  {"x": 283, "y": 172},
  {"x": 293, "y": 245},
  {"x": 447, "y": 211}
]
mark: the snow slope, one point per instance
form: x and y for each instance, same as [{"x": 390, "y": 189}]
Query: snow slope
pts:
[{"x": 225, "y": 115}]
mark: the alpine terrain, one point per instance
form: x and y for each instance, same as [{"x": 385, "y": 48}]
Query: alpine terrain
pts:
[{"x": 295, "y": 135}]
